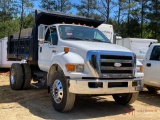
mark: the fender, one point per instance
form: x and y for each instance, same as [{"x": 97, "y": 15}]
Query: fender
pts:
[
  {"x": 64, "y": 58},
  {"x": 60, "y": 60}
]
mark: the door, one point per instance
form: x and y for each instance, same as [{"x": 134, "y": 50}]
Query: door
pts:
[
  {"x": 48, "y": 49},
  {"x": 152, "y": 68}
]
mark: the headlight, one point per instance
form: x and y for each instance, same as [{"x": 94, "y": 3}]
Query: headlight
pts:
[
  {"x": 79, "y": 68},
  {"x": 75, "y": 68},
  {"x": 140, "y": 69}
]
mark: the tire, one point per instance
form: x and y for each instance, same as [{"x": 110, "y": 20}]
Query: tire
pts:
[
  {"x": 151, "y": 89},
  {"x": 16, "y": 76},
  {"x": 125, "y": 98},
  {"x": 27, "y": 76},
  {"x": 62, "y": 99}
]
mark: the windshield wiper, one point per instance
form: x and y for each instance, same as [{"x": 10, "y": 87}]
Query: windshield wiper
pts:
[
  {"x": 73, "y": 38},
  {"x": 96, "y": 40},
  {"x": 93, "y": 40}
]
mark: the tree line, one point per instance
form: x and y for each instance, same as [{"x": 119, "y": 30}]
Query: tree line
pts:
[{"x": 130, "y": 18}]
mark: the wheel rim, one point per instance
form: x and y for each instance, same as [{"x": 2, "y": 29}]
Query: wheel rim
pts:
[
  {"x": 12, "y": 77},
  {"x": 57, "y": 91}
]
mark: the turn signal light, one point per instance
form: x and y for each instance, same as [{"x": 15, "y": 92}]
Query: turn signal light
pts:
[
  {"x": 70, "y": 67},
  {"x": 66, "y": 49},
  {"x": 141, "y": 69},
  {"x": 30, "y": 59}
]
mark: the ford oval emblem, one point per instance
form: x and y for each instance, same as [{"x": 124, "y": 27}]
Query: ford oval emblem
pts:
[{"x": 117, "y": 64}]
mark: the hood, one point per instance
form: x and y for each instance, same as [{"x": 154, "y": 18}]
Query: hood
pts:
[{"x": 88, "y": 45}]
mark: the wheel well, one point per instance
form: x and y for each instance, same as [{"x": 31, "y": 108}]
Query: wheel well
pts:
[{"x": 52, "y": 70}]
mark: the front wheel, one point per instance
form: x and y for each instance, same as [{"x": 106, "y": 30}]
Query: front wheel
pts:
[
  {"x": 125, "y": 98},
  {"x": 62, "y": 99}
]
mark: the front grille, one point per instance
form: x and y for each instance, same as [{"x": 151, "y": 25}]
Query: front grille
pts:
[{"x": 114, "y": 66}]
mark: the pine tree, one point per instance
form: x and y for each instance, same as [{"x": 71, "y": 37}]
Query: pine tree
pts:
[
  {"x": 56, "y": 5},
  {"x": 104, "y": 7},
  {"x": 23, "y": 4},
  {"x": 153, "y": 16},
  {"x": 9, "y": 10},
  {"x": 86, "y": 8}
]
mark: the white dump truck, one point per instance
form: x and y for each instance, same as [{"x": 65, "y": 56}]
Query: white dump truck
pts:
[{"x": 72, "y": 57}]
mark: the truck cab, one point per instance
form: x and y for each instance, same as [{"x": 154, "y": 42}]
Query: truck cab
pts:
[
  {"x": 151, "y": 65},
  {"x": 74, "y": 57}
]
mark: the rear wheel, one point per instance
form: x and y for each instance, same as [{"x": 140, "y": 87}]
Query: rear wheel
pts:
[
  {"x": 62, "y": 99},
  {"x": 125, "y": 98},
  {"x": 27, "y": 76},
  {"x": 151, "y": 89},
  {"x": 16, "y": 76}
]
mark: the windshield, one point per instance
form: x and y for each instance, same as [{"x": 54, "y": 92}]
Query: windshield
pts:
[{"x": 70, "y": 32}]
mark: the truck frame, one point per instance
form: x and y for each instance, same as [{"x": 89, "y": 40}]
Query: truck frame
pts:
[{"x": 71, "y": 56}]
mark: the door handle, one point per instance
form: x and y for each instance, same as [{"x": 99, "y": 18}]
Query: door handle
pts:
[
  {"x": 148, "y": 64},
  {"x": 40, "y": 49}
]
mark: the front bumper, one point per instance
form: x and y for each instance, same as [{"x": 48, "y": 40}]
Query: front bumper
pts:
[{"x": 108, "y": 86}]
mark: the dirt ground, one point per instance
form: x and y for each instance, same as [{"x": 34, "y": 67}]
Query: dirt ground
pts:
[{"x": 35, "y": 104}]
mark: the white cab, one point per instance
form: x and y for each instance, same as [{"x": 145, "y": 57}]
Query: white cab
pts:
[{"x": 151, "y": 65}]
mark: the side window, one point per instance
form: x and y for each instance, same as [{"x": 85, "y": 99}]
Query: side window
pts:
[
  {"x": 47, "y": 37},
  {"x": 54, "y": 36},
  {"x": 155, "y": 55}
]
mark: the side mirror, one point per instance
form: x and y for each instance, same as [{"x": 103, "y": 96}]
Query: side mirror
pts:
[
  {"x": 114, "y": 38},
  {"x": 41, "y": 33}
]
